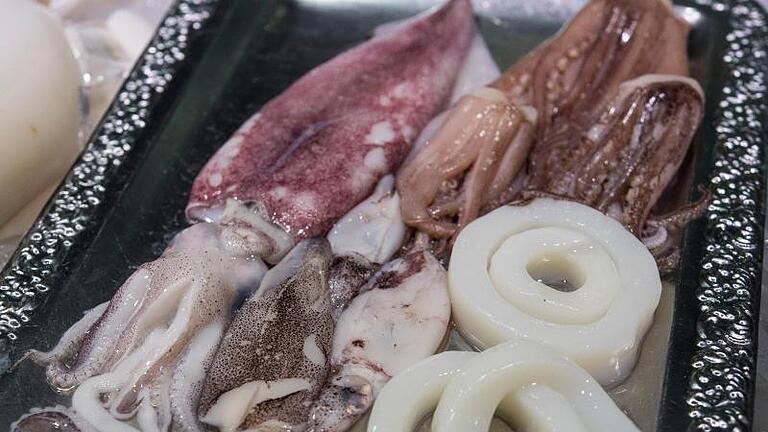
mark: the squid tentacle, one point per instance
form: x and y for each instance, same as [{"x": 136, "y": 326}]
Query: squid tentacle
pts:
[
  {"x": 58, "y": 373},
  {"x": 479, "y": 138}
]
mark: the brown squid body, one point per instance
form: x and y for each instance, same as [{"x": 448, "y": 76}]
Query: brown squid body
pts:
[
  {"x": 625, "y": 160},
  {"x": 272, "y": 360},
  {"x": 615, "y": 114}
]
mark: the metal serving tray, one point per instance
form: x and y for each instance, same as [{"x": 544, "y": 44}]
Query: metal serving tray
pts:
[{"x": 214, "y": 62}]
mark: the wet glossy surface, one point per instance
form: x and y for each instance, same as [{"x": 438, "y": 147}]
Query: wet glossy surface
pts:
[{"x": 251, "y": 51}]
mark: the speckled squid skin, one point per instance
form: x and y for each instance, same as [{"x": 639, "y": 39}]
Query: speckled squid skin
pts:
[
  {"x": 319, "y": 148},
  {"x": 48, "y": 419},
  {"x": 605, "y": 44},
  {"x": 268, "y": 338}
]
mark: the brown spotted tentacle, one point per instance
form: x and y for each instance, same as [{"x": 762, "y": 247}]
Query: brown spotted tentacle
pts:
[
  {"x": 678, "y": 218},
  {"x": 664, "y": 243}
]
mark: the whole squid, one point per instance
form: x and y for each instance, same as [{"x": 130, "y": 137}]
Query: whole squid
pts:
[
  {"x": 618, "y": 114},
  {"x": 603, "y": 113},
  {"x": 400, "y": 317},
  {"x": 311, "y": 154}
]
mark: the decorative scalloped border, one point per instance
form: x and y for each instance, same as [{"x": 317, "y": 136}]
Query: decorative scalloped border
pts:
[
  {"x": 723, "y": 367},
  {"x": 720, "y": 390},
  {"x": 80, "y": 201}
]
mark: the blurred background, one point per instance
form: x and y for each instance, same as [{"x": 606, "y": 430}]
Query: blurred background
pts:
[{"x": 65, "y": 61}]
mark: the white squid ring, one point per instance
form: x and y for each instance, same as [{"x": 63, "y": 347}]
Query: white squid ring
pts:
[
  {"x": 531, "y": 387},
  {"x": 497, "y": 294},
  {"x": 412, "y": 394}
]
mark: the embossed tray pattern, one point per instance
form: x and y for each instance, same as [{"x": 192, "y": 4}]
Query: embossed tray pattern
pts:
[{"x": 123, "y": 199}]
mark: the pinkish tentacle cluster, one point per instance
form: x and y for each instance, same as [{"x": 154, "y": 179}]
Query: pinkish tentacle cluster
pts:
[
  {"x": 468, "y": 164},
  {"x": 616, "y": 115}
]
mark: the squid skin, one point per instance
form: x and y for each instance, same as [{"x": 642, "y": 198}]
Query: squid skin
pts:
[
  {"x": 581, "y": 67},
  {"x": 268, "y": 188},
  {"x": 367, "y": 236},
  {"x": 575, "y": 78},
  {"x": 312, "y": 153},
  {"x": 189, "y": 377},
  {"x": 47, "y": 419},
  {"x": 471, "y": 163},
  {"x": 400, "y": 317},
  {"x": 144, "y": 329},
  {"x": 605, "y": 63},
  {"x": 280, "y": 339},
  {"x": 632, "y": 152},
  {"x": 361, "y": 240},
  {"x": 467, "y": 164}
]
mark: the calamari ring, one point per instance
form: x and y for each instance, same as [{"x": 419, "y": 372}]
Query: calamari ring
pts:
[
  {"x": 412, "y": 394},
  {"x": 532, "y": 388},
  {"x": 522, "y": 382},
  {"x": 504, "y": 265}
]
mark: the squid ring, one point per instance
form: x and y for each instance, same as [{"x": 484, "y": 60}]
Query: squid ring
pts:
[
  {"x": 521, "y": 381},
  {"x": 415, "y": 392},
  {"x": 532, "y": 388},
  {"x": 559, "y": 273}
]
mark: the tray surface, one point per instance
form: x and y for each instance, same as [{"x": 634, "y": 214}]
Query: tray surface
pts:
[{"x": 215, "y": 62}]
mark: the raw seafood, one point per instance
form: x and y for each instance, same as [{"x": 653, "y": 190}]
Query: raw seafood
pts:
[
  {"x": 423, "y": 181},
  {"x": 289, "y": 173},
  {"x": 617, "y": 114},
  {"x": 373, "y": 229},
  {"x": 579, "y": 70},
  {"x": 188, "y": 378},
  {"x": 627, "y": 156},
  {"x": 366, "y": 237},
  {"x": 272, "y": 361},
  {"x": 400, "y": 317},
  {"x": 415, "y": 392},
  {"x": 614, "y": 116},
  {"x": 301, "y": 165},
  {"x": 484, "y": 140},
  {"x": 157, "y": 311},
  {"x": 46, "y": 419},
  {"x": 271, "y": 241},
  {"x": 559, "y": 273},
  {"x": 527, "y": 383}
]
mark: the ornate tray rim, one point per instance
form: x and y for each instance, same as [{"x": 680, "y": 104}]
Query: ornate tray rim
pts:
[{"x": 717, "y": 301}]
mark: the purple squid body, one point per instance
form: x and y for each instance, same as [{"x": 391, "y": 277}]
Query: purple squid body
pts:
[{"x": 312, "y": 153}]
